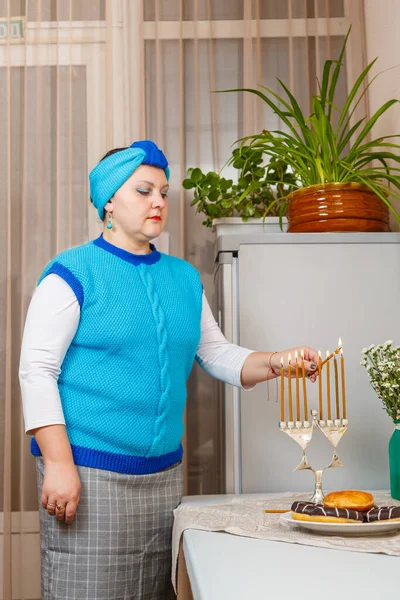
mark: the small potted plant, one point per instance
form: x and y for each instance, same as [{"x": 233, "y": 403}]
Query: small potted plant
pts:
[
  {"x": 344, "y": 179},
  {"x": 258, "y": 193},
  {"x": 383, "y": 366}
]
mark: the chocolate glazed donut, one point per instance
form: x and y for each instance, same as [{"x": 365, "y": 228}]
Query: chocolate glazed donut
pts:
[
  {"x": 382, "y": 513},
  {"x": 307, "y": 511}
]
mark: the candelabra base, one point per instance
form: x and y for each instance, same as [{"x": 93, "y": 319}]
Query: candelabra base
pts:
[{"x": 318, "y": 495}]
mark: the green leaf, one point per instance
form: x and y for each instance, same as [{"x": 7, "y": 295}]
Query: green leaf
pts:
[
  {"x": 360, "y": 79},
  {"x": 325, "y": 81},
  {"x": 214, "y": 210},
  {"x": 336, "y": 73},
  {"x": 213, "y": 195},
  {"x": 227, "y": 203},
  {"x": 188, "y": 184},
  {"x": 238, "y": 163},
  {"x": 377, "y": 143},
  {"x": 245, "y": 193},
  {"x": 296, "y": 112},
  {"x": 270, "y": 103},
  {"x": 225, "y": 185},
  {"x": 369, "y": 125},
  {"x": 350, "y": 113},
  {"x": 249, "y": 210},
  {"x": 196, "y": 175},
  {"x": 343, "y": 143}
]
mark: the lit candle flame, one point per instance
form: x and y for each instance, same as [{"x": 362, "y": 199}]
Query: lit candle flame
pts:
[
  {"x": 340, "y": 343},
  {"x": 281, "y": 361},
  {"x": 319, "y": 353},
  {"x": 341, "y": 351},
  {"x": 302, "y": 353},
  {"x": 327, "y": 353},
  {"x": 290, "y": 358},
  {"x": 296, "y": 355}
]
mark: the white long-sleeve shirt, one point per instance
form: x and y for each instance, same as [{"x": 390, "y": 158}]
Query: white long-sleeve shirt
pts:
[{"x": 51, "y": 324}]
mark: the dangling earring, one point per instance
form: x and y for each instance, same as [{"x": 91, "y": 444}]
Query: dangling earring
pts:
[{"x": 109, "y": 222}]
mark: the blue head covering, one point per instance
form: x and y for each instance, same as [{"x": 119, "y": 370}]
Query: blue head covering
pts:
[{"x": 111, "y": 172}]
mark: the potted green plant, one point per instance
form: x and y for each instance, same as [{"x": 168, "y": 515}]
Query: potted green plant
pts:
[
  {"x": 254, "y": 196},
  {"x": 383, "y": 366},
  {"x": 343, "y": 178}
]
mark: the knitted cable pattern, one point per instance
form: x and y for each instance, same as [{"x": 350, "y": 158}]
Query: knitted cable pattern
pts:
[{"x": 163, "y": 362}]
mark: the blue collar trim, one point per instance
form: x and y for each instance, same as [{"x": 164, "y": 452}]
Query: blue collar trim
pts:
[{"x": 135, "y": 259}]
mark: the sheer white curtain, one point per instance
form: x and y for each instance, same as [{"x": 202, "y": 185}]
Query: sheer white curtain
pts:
[
  {"x": 79, "y": 78},
  {"x": 43, "y": 203}
]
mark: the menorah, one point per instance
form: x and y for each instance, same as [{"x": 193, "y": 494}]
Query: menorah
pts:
[{"x": 301, "y": 431}]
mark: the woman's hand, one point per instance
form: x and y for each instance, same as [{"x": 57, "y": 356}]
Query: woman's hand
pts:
[
  {"x": 258, "y": 365},
  {"x": 310, "y": 361},
  {"x": 61, "y": 490}
]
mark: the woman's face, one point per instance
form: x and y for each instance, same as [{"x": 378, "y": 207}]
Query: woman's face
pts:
[{"x": 140, "y": 207}]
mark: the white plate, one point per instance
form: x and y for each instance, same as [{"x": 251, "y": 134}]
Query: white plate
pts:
[{"x": 343, "y": 528}]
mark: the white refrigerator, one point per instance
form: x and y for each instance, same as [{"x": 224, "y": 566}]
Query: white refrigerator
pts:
[{"x": 279, "y": 290}]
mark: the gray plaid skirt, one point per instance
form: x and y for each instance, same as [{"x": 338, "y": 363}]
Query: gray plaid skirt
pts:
[{"x": 119, "y": 545}]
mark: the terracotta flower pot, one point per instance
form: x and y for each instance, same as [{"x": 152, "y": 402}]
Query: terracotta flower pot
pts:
[{"x": 336, "y": 207}]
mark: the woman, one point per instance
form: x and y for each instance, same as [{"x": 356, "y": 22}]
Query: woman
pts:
[{"x": 110, "y": 339}]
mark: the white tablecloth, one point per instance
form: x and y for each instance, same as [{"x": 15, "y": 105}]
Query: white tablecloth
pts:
[
  {"x": 222, "y": 566},
  {"x": 244, "y": 516}
]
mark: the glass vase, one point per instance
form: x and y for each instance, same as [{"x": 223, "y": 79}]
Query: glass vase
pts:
[{"x": 394, "y": 461}]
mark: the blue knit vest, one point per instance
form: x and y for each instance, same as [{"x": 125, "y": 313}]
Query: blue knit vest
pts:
[{"x": 123, "y": 378}]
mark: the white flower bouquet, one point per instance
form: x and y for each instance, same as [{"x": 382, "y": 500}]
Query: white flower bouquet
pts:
[{"x": 383, "y": 366}]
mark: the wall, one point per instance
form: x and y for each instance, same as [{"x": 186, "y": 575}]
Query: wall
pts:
[
  {"x": 382, "y": 20},
  {"x": 383, "y": 40}
]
